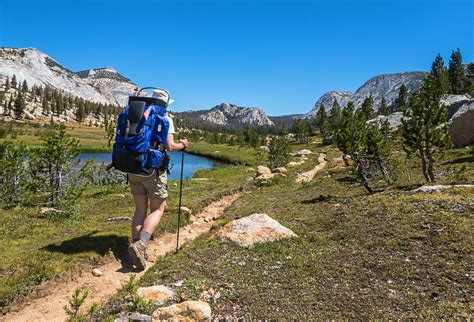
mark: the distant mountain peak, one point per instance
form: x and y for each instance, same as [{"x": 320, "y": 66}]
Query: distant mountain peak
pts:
[{"x": 380, "y": 86}]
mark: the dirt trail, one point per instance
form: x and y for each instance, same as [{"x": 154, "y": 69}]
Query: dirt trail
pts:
[
  {"x": 309, "y": 175},
  {"x": 49, "y": 307}
]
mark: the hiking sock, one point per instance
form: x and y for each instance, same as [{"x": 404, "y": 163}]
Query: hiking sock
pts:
[{"x": 144, "y": 237}]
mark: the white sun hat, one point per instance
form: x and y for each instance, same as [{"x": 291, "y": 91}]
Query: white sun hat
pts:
[{"x": 163, "y": 94}]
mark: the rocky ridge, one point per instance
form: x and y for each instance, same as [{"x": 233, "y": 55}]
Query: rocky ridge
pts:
[{"x": 103, "y": 85}]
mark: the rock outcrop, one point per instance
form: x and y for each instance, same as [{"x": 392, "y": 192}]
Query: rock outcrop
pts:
[
  {"x": 157, "y": 293},
  {"x": 185, "y": 311},
  {"x": 231, "y": 114},
  {"x": 461, "y": 125},
  {"x": 254, "y": 229}
]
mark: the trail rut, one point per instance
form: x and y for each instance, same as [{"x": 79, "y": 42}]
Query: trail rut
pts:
[
  {"x": 49, "y": 307},
  {"x": 309, "y": 175}
]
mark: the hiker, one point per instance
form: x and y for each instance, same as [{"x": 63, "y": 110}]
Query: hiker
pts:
[{"x": 153, "y": 189}]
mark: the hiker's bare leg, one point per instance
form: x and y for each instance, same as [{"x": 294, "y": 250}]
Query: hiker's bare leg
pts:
[
  {"x": 139, "y": 217},
  {"x": 157, "y": 207}
]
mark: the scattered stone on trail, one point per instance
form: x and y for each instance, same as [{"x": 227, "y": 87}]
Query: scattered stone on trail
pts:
[
  {"x": 265, "y": 176},
  {"x": 253, "y": 229},
  {"x": 97, "y": 272},
  {"x": 119, "y": 218},
  {"x": 250, "y": 170},
  {"x": 133, "y": 316},
  {"x": 178, "y": 283},
  {"x": 45, "y": 210},
  {"x": 156, "y": 293},
  {"x": 185, "y": 311},
  {"x": 261, "y": 169},
  {"x": 303, "y": 152},
  {"x": 186, "y": 210},
  {"x": 175, "y": 184},
  {"x": 280, "y": 170},
  {"x": 207, "y": 295},
  {"x": 264, "y": 148},
  {"x": 192, "y": 218},
  {"x": 190, "y": 231},
  {"x": 206, "y": 219},
  {"x": 440, "y": 188},
  {"x": 280, "y": 175},
  {"x": 294, "y": 163}
]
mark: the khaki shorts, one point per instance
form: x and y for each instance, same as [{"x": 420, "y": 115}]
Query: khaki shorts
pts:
[{"x": 153, "y": 186}]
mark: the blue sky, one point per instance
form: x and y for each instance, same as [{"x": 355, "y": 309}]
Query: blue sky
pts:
[{"x": 278, "y": 55}]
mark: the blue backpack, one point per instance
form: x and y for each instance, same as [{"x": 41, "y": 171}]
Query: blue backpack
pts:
[{"x": 141, "y": 129}]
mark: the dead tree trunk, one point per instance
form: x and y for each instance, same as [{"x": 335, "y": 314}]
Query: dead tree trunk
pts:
[{"x": 360, "y": 167}]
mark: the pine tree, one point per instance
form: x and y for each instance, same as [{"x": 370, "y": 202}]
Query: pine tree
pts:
[
  {"x": 469, "y": 86},
  {"x": 368, "y": 107},
  {"x": 279, "y": 152},
  {"x": 401, "y": 100},
  {"x": 456, "y": 73},
  {"x": 334, "y": 116},
  {"x": 13, "y": 83},
  {"x": 45, "y": 107},
  {"x": 424, "y": 126},
  {"x": 53, "y": 161},
  {"x": 439, "y": 77},
  {"x": 10, "y": 105},
  {"x": 20, "y": 105},
  {"x": 24, "y": 87},
  {"x": 7, "y": 84},
  {"x": 379, "y": 149},
  {"x": 350, "y": 138},
  {"x": 2, "y": 100},
  {"x": 321, "y": 119},
  {"x": 12, "y": 167},
  {"x": 383, "y": 109}
]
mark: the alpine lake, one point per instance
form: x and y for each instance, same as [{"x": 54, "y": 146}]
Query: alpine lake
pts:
[{"x": 192, "y": 162}]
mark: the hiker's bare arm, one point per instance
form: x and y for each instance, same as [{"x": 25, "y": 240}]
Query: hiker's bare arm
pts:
[{"x": 171, "y": 145}]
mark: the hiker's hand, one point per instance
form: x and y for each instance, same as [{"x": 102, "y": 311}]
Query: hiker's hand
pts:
[{"x": 184, "y": 142}]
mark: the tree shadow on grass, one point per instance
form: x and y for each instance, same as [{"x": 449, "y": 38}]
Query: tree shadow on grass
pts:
[
  {"x": 100, "y": 244},
  {"x": 460, "y": 160}
]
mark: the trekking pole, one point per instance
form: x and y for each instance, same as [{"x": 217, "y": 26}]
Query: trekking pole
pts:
[{"x": 180, "y": 195}]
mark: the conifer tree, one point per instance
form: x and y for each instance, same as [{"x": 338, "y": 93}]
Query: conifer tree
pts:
[
  {"x": 368, "y": 107},
  {"x": 456, "y": 73},
  {"x": 45, "y": 107},
  {"x": 322, "y": 119},
  {"x": 469, "y": 86},
  {"x": 20, "y": 105},
  {"x": 379, "y": 149},
  {"x": 424, "y": 126},
  {"x": 439, "y": 80},
  {"x": 383, "y": 109},
  {"x": 13, "y": 83},
  {"x": 7, "y": 84},
  {"x": 401, "y": 100},
  {"x": 334, "y": 116},
  {"x": 350, "y": 138},
  {"x": 2, "y": 100},
  {"x": 10, "y": 105},
  {"x": 52, "y": 162},
  {"x": 24, "y": 87}
]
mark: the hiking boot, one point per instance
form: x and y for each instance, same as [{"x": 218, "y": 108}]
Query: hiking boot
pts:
[{"x": 138, "y": 255}]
